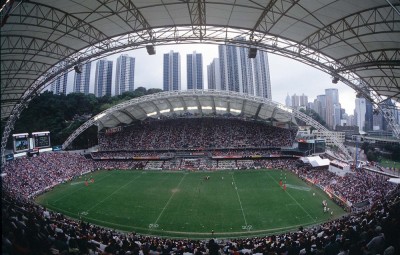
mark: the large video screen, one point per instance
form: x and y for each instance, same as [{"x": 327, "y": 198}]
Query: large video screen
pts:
[
  {"x": 21, "y": 142},
  {"x": 319, "y": 146},
  {"x": 41, "y": 139}
]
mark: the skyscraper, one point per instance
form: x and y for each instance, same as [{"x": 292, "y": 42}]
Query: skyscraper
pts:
[
  {"x": 103, "y": 78},
  {"x": 369, "y": 116},
  {"x": 320, "y": 106},
  {"x": 332, "y": 107},
  {"x": 124, "y": 79},
  {"x": 194, "y": 68},
  {"x": 364, "y": 112},
  {"x": 360, "y": 113},
  {"x": 303, "y": 100},
  {"x": 214, "y": 75},
  {"x": 378, "y": 121},
  {"x": 242, "y": 74},
  {"x": 59, "y": 85},
  {"x": 82, "y": 80},
  {"x": 172, "y": 71},
  {"x": 288, "y": 101},
  {"x": 262, "y": 79},
  {"x": 295, "y": 101}
]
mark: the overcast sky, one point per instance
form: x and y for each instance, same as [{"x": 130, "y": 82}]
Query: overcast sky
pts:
[{"x": 287, "y": 76}]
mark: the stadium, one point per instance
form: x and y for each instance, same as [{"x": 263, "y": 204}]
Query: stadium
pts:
[{"x": 197, "y": 171}]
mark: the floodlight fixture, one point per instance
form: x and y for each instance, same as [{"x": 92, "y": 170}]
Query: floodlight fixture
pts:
[
  {"x": 252, "y": 53},
  {"x": 78, "y": 68},
  {"x": 150, "y": 49}
]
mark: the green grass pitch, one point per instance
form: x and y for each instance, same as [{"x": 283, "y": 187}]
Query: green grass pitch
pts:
[{"x": 184, "y": 205}]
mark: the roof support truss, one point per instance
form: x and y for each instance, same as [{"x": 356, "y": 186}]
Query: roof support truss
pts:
[
  {"x": 272, "y": 13},
  {"x": 130, "y": 15},
  {"x": 219, "y": 35},
  {"x": 128, "y": 114},
  {"x": 197, "y": 12},
  {"x": 35, "y": 14},
  {"x": 373, "y": 21}
]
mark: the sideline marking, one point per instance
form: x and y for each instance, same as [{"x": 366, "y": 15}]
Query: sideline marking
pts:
[
  {"x": 136, "y": 177},
  {"x": 76, "y": 183},
  {"x": 298, "y": 187},
  {"x": 240, "y": 202},
  {"x": 293, "y": 199},
  {"x": 234, "y": 233}
]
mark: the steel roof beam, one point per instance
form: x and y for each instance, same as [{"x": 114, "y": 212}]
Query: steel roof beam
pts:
[
  {"x": 197, "y": 12},
  {"x": 366, "y": 22},
  {"x": 258, "y": 111},
  {"x": 213, "y": 105},
  {"x": 13, "y": 42},
  {"x": 7, "y": 67},
  {"x": 198, "y": 105},
  {"x": 32, "y": 13},
  {"x": 156, "y": 107},
  {"x": 271, "y": 14},
  {"x": 262, "y": 19},
  {"x": 124, "y": 111},
  {"x": 131, "y": 15}
]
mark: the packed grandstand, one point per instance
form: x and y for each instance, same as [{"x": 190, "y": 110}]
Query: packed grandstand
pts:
[
  {"x": 195, "y": 144},
  {"x": 197, "y": 133}
]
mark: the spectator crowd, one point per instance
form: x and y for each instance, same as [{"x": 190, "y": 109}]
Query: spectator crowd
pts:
[
  {"x": 28, "y": 228},
  {"x": 29, "y": 176},
  {"x": 196, "y": 133}
]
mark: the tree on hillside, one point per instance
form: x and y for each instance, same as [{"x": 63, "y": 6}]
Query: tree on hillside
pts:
[{"x": 63, "y": 114}]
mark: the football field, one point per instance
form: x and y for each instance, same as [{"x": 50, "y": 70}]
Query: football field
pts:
[{"x": 184, "y": 204}]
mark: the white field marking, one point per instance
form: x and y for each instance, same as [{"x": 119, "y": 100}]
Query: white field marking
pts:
[
  {"x": 170, "y": 198},
  {"x": 76, "y": 183},
  {"x": 298, "y": 187},
  {"x": 195, "y": 233},
  {"x": 294, "y": 199},
  {"x": 97, "y": 204},
  {"x": 68, "y": 194},
  {"x": 240, "y": 202}
]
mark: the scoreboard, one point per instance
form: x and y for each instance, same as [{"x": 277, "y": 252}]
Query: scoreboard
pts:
[
  {"x": 21, "y": 142},
  {"x": 41, "y": 139},
  {"x": 312, "y": 146}
]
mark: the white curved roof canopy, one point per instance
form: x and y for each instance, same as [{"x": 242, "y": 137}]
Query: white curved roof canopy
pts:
[
  {"x": 200, "y": 102},
  {"x": 195, "y": 102},
  {"x": 356, "y": 41}
]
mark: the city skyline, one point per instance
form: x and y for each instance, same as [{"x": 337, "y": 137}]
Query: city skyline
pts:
[
  {"x": 172, "y": 71},
  {"x": 237, "y": 72},
  {"x": 194, "y": 69},
  {"x": 82, "y": 79},
  {"x": 103, "y": 78},
  {"x": 59, "y": 85},
  {"x": 125, "y": 74},
  {"x": 287, "y": 75}
]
